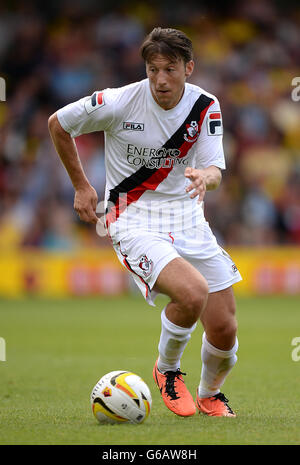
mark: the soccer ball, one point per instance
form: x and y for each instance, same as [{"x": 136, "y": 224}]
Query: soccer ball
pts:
[{"x": 120, "y": 397}]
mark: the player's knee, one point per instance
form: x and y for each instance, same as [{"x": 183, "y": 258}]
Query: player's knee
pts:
[
  {"x": 229, "y": 330},
  {"x": 196, "y": 299},
  {"x": 224, "y": 331}
]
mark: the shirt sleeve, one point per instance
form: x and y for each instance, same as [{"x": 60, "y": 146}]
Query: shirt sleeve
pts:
[
  {"x": 89, "y": 114},
  {"x": 209, "y": 146}
]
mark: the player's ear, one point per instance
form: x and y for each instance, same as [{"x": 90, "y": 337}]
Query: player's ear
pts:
[{"x": 189, "y": 67}]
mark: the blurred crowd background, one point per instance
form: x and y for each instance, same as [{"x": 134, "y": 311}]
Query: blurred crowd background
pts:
[{"x": 246, "y": 53}]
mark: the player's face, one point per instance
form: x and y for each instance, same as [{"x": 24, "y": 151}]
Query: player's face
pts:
[{"x": 167, "y": 79}]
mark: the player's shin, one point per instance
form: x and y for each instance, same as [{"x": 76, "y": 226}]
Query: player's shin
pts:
[
  {"x": 216, "y": 365},
  {"x": 173, "y": 340}
]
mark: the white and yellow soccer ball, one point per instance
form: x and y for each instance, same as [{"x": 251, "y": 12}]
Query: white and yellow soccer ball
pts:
[{"x": 120, "y": 397}]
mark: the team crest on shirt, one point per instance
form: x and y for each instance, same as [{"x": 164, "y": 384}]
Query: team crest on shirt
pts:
[
  {"x": 146, "y": 265},
  {"x": 192, "y": 132}
]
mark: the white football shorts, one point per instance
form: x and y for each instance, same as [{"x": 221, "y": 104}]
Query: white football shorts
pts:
[{"x": 146, "y": 253}]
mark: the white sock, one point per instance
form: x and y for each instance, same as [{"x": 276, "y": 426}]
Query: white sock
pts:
[
  {"x": 173, "y": 340},
  {"x": 216, "y": 365}
]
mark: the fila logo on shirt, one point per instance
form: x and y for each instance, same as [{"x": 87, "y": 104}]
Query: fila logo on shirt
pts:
[
  {"x": 129, "y": 126},
  {"x": 214, "y": 123},
  {"x": 94, "y": 102}
]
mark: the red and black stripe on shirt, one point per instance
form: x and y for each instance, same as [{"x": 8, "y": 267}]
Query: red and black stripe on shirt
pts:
[{"x": 132, "y": 188}]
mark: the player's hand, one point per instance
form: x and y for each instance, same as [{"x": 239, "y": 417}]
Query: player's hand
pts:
[
  {"x": 85, "y": 204},
  {"x": 198, "y": 183}
]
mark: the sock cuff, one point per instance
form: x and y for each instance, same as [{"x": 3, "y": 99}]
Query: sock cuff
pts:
[
  {"x": 218, "y": 352},
  {"x": 175, "y": 329}
]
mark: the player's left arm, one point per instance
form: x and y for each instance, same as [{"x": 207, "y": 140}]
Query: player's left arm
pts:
[{"x": 202, "y": 180}]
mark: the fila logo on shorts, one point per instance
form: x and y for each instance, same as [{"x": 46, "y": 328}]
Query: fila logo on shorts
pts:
[
  {"x": 214, "y": 124},
  {"x": 95, "y": 102}
]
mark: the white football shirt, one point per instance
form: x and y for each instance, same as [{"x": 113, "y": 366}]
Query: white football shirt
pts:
[{"x": 147, "y": 150}]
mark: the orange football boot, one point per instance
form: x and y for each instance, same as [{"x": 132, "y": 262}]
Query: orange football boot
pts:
[
  {"x": 174, "y": 392},
  {"x": 215, "y": 406}
]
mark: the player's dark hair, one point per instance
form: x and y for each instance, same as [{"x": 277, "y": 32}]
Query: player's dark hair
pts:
[{"x": 171, "y": 43}]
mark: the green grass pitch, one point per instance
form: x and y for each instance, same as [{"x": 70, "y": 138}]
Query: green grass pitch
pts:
[{"x": 56, "y": 350}]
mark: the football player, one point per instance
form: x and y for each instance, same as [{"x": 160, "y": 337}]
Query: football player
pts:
[{"x": 163, "y": 151}]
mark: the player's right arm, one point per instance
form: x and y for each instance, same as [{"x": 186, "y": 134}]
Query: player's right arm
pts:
[{"x": 85, "y": 199}]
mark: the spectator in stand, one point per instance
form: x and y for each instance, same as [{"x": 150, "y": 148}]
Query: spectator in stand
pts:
[{"x": 246, "y": 53}]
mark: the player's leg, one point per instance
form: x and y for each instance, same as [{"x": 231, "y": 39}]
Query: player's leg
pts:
[
  {"x": 188, "y": 292},
  {"x": 187, "y": 289},
  {"x": 218, "y": 319},
  {"x": 156, "y": 266},
  {"x": 218, "y": 352}
]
